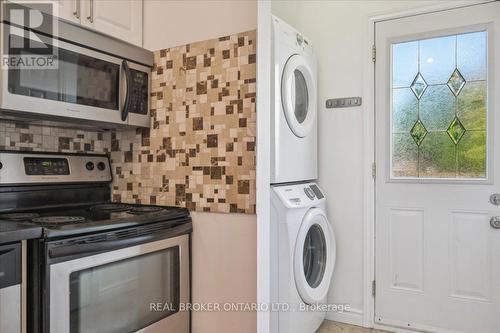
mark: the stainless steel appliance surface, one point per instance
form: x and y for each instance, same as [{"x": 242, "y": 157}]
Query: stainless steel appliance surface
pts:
[
  {"x": 99, "y": 266},
  {"x": 10, "y": 288},
  {"x": 97, "y": 80}
]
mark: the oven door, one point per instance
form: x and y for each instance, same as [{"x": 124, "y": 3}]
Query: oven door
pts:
[
  {"x": 134, "y": 289},
  {"x": 83, "y": 85}
]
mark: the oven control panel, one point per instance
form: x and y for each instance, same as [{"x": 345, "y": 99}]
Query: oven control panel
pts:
[
  {"x": 46, "y": 166},
  {"x": 33, "y": 168}
]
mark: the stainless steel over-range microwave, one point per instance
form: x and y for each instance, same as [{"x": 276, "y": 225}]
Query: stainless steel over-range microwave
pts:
[{"x": 97, "y": 80}]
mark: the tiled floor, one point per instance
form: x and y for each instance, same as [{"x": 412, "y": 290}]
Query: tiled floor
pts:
[{"x": 334, "y": 327}]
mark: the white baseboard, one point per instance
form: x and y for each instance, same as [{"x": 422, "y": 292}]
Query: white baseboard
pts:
[{"x": 353, "y": 317}]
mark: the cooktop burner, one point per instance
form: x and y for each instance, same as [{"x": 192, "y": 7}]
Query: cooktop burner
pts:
[
  {"x": 58, "y": 219},
  {"x": 145, "y": 210},
  {"x": 19, "y": 216},
  {"x": 110, "y": 208}
]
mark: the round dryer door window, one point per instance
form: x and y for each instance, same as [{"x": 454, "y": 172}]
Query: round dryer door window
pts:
[
  {"x": 298, "y": 95},
  {"x": 314, "y": 257}
]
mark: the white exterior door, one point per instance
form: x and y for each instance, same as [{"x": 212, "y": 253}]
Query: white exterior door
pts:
[{"x": 438, "y": 161}]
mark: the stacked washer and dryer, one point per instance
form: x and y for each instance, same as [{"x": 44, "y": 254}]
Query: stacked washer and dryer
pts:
[{"x": 303, "y": 243}]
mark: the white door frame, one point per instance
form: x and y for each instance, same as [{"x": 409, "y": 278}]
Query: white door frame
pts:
[
  {"x": 263, "y": 167},
  {"x": 369, "y": 153}
]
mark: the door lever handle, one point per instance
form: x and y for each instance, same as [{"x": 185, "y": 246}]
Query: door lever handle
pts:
[{"x": 495, "y": 222}]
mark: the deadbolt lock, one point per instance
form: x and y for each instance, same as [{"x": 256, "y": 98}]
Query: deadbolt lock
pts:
[
  {"x": 495, "y": 199},
  {"x": 495, "y": 222}
]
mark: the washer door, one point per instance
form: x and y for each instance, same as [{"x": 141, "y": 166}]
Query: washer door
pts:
[
  {"x": 298, "y": 93},
  {"x": 314, "y": 257}
]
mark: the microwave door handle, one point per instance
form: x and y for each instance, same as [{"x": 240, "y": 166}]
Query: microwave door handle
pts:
[
  {"x": 126, "y": 104},
  {"x": 85, "y": 249}
]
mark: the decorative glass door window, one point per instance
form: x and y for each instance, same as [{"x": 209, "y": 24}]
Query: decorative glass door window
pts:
[{"x": 439, "y": 107}]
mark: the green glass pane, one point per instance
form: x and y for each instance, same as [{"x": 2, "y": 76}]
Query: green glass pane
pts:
[
  {"x": 418, "y": 86},
  {"x": 418, "y": 132},
  {"x": 456, "y": 131},
  {"x": 437, "y": 156},
  {"x": 404, "y": 110},
  {"x": 437, "y": 59},
  {"x": 404, "y": 156},
  {"x": 471, "y": 105},
  {"x": 456, "y": 82},
  {"x": 437, "y": 108},
  {"x": 471, "y": 55},
  {"x": 404, "y": 63},
  {"x": 471, "y": 155}
]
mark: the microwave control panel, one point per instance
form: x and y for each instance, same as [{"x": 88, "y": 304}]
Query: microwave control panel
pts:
[{"x": 138, "y": 98}]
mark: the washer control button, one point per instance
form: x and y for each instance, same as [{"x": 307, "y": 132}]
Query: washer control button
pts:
[
  {"x": 101, "y": 166},
  {"x": 309, "y": 193}
]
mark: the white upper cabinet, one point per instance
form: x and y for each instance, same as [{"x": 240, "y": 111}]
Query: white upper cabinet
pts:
[
  {"x": 67, "y": 9},
  {"x": 120, "y": 19}
]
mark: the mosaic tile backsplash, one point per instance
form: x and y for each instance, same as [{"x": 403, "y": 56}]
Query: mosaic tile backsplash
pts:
[
  {"x": 200, "y": 150},
  {"x": 27, "y": 136}
]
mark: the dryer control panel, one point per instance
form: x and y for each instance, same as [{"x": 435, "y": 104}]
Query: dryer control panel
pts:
[{"x": 299, "y": 195}]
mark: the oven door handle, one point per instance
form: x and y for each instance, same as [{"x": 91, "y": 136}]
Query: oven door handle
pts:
[
  {"x": 89, "y": 248},
  {"x": 126, "y": 104}
]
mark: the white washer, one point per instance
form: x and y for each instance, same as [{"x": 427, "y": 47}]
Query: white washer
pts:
[
  {"x": 294, "y": 120},
  {"x": 303, "y": 257}
]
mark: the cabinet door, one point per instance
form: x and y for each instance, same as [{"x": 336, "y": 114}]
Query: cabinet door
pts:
[
  {"x": 65, "y": 9},
  {"x": 120, "y": 19}
]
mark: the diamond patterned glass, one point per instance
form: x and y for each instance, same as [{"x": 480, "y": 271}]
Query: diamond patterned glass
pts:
[
  {"x": 456, "y": 82},
  {"x": 418, "y": 132},
  {"x": 439, "y": 107},
  {"x": 456, "y": 130},
  {"x": 418, "y": 86}
]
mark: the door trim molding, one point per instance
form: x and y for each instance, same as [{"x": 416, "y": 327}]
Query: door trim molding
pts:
[{"x": 369, "y": 149}]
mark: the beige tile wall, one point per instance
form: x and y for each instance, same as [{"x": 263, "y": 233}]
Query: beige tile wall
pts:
[
  {"x": 16, "y": 135},
  {"x": 200, "y": 150}
]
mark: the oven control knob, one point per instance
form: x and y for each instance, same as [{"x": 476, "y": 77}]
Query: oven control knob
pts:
[
  {"x": 101, "y": 166},
  {"x": 1, "y": 165},
  {"x": 89, "y": 166}
]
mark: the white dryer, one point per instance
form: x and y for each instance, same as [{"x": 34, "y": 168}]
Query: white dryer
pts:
[
  {"x": 303, "y": 257},
  {"x": 294, "y": 119}
]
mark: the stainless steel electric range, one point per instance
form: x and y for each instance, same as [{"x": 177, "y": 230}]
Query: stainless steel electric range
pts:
[{"x": 100, "y": 266}]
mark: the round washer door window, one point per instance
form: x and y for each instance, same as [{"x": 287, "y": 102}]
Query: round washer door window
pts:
[
  {"x": 298, "y": 95},
  {"x": 314, "y": 257}
]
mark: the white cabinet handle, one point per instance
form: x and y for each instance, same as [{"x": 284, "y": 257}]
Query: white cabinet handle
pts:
[
  {"x": 76, "y": 13},
  {"x": 91, "y": 9}
]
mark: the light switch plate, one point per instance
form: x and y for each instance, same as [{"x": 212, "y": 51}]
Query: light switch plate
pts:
[{"x": 345, "y": 102}]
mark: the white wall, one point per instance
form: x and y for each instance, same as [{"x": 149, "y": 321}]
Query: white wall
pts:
[
  {"x": 338, "y": 31},
  {"x": 169, "y": 23}
]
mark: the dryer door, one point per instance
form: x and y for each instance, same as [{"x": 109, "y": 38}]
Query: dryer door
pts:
[
  {"x": 314, "y": 257},
  {"x": 298, "y": 95}
]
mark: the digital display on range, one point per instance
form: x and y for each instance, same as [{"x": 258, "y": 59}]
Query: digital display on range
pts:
[{"x": 37, "y": 166}]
